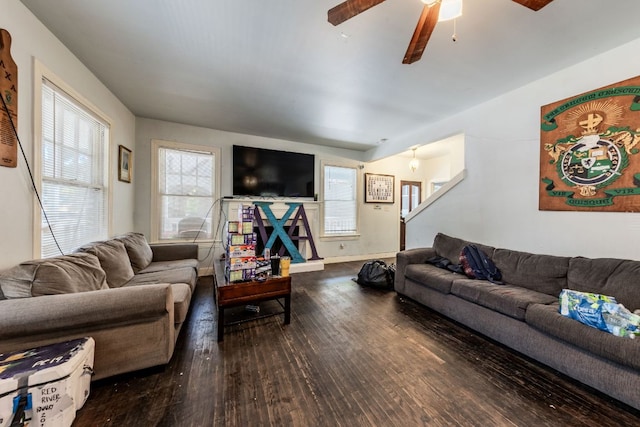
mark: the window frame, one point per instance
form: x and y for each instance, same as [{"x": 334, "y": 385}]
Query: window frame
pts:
[
  {"x": 40, "y": 73},
  {"x": 436, "y": 184},
  {"x": 358, "y": 187},
  {"x": 156, "y": 210},
  {"x": 411, "y": 185}
]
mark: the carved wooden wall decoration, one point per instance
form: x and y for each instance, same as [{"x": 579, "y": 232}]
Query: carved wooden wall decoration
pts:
[
  {"x": 589, "y": 152},
  {"x": 9, "y": 92}
]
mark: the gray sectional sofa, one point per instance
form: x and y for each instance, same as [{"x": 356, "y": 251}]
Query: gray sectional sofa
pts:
[
  {"x": 523, "y": 313},
  {"x": 131, "y": 297}
]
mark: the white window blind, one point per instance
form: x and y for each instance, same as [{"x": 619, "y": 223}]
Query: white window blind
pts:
[
  {"x": 185, "y": 193},
  {"x": 340, "y": 208},
  {"x": 74, "y": 173}
]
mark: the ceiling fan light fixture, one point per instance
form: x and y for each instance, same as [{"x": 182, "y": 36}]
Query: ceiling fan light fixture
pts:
[{"x": 450, "y": 9}]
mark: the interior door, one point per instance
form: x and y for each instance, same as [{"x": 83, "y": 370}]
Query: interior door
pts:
[{"x": 411, "y": 192}]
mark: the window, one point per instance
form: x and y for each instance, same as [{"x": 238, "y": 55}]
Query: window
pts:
[
  {"x": 436, "y": 185},
  {"x": 185, "y": 191},
  {"x": 74, "y": 173},
  {"x": 340, "y": 207}
]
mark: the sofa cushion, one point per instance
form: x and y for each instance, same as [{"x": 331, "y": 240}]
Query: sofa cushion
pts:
[
  {"x": 79, "y": 272},
  {"x": 547, "y": 319},
  {"x": 541, "y": 273},
  {"x": 431, "y": 276},
  {"x": 506, "y": 299},
  {"x": 169, "y": 265},
  {"x": 608, "y": 276},
  {"x": 138, "y": 249},
  {"x": 179, "y": 275},
  {"x": 450, "y": 247},
  {"x": 16, "y": 282},
  {"x": 113, "y": 259},
  {"x": 181, "y": 300}
]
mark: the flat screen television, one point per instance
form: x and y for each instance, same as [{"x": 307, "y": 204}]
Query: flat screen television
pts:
[{"x": 272, "y": 173}]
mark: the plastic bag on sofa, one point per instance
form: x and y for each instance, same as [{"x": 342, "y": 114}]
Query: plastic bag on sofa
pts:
[{"x": 599, "y": 311}]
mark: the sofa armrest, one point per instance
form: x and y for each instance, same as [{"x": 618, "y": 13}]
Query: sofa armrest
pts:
[
  {"x": 174, "y": 251},
  {"x": 65, "y": 315},
  {"x": 404, "y": 258}
]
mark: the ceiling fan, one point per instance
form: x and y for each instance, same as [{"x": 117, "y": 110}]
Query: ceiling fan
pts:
[{"x": 426, "y": 23}]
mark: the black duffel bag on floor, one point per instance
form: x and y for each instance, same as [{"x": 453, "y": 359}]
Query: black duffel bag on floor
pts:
[{"x": 376, "y": 274}]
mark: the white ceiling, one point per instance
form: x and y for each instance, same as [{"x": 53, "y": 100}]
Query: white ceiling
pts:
[{"x": 277, "y": 68}]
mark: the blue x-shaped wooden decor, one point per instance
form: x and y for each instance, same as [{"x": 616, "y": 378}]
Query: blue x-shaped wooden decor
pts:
[{"x": 279, "y": 231}]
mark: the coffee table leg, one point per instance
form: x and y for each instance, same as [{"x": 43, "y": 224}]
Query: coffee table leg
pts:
[
  {"x": 220, "y": 323},
  {"x": 287, "y": 309}
]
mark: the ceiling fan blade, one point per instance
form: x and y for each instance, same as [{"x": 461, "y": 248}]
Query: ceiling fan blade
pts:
[
  {"x": 349, "y": 9},
  {"x": 426, "y": 24},
  {"x": 533, "y": 4}
]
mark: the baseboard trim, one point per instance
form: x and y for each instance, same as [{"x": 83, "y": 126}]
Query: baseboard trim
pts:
[{"x": 362, "y": 257}]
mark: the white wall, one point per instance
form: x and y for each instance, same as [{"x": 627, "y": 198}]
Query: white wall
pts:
[
  {"x": 30, "y": 39},
  {"x": 497, "y": 203},
  {"x": 377, "y": 236},
  {"x": 436, "y": 169}
]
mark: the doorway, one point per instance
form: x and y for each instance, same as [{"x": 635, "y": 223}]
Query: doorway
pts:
[{"x": 411, "y": 192}]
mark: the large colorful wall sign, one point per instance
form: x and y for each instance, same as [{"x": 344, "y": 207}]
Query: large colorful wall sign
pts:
[{"x": 589, "y": 152}]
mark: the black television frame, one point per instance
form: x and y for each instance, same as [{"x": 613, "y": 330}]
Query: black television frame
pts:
[{"x": 266, "y": 173}]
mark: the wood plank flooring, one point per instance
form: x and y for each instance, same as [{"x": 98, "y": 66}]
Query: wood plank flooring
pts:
[{"x": 351, "y": 356}]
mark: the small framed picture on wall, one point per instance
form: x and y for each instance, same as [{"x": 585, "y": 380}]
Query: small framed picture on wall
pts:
[
  {"x": 125, "y": 163},
  {"x": 378, "y": 188}
]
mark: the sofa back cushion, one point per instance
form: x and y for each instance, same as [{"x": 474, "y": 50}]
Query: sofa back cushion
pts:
[
  {"x": 72, "y": 273},
  {"x": 542, "y": 273},
  {"x": 138, "y": 249},
  {"x": 608, "y": 276},
  {"x": 450, "y": 247},
  {"x": 114, "y": 260}
]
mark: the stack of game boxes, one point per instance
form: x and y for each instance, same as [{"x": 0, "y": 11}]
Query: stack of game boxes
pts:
[{"x": 241, "y": 247}]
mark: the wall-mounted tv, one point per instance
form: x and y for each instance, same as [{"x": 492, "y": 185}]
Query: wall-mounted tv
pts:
[{"x": 272, "y": 173}]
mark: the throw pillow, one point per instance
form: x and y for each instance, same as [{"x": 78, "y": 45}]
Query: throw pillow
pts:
[
  {"x": 16, "y": 282},
  {"x": 114, "y": 260},
  {"x": 79, "y": 272},
  {"x": 139, "y": 251}
]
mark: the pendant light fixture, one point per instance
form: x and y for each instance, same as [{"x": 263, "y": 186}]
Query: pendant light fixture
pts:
[{"x": 414, "y": 163}]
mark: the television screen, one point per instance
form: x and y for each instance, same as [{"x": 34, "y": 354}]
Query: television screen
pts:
[{"x": 272, "y": 173}]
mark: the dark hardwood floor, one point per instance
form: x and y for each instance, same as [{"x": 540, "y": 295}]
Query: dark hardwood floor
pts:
[{"x": 351, "y": 356}]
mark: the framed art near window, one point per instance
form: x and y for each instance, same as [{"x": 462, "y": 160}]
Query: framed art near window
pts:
[
  {"x": 378, "y": 188},
  {"x": 125, "y": 164}
]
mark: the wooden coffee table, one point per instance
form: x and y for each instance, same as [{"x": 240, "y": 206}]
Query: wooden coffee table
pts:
[{"x": 243, "y": 293}]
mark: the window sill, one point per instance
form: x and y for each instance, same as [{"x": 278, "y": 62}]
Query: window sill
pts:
[
  {"x": 350, "y": 236},
  {"x": 180, "y": 241}
]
